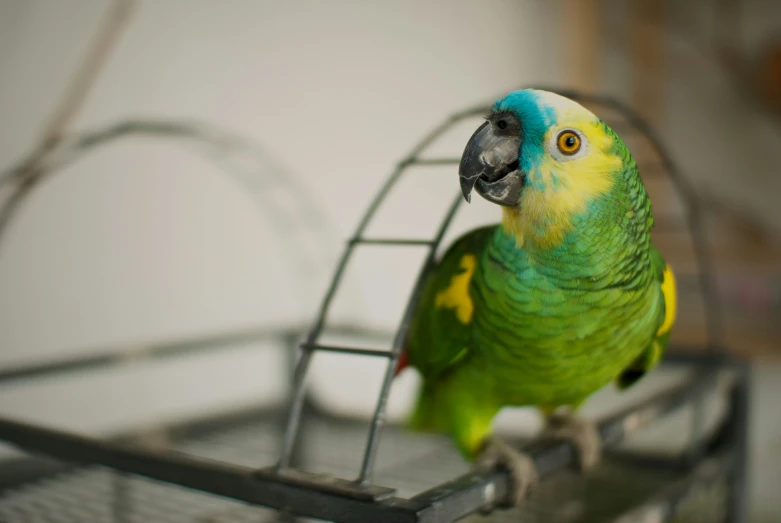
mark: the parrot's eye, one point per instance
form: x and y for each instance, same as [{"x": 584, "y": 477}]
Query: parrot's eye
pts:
[
  {"x": 567, "y": 145},
  {"x": 568, "y": 142},
  {"x": 502, "y": 124}
]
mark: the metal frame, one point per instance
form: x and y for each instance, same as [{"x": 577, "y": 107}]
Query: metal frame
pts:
[
  {"x": 359, "y": 500},
  {"x": 325, "y": 497}
]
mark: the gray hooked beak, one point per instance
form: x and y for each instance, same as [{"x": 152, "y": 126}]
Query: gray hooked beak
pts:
[{"x": 490, "y": 166}]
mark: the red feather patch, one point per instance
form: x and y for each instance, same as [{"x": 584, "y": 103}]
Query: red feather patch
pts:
[{"x": 402, "y": 364}]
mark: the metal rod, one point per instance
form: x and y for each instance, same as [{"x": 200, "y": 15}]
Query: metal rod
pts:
[
  {"x": 294, "y": 411},
  {"x": 390, "y": 241},
  {"x": 378, "y": 420},
  {"x": 128, "y": 355},
  {"x": 347, "y": 350},
  {"x": 436, "y": 161},
  {"x": 666, "y": 501},
  {"x": 738, "y": 484},
  {"x": 82, "y": 82},
  {"x": 139, "y": 353},
  {"x": 68, "y": 106},
  {"x": 232, "y": 481},
  {"x": 297, "y": 456}
]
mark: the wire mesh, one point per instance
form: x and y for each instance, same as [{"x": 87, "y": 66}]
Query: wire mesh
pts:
[{"x": 94, "y": 493}]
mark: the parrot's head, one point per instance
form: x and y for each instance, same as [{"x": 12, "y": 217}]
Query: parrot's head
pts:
[{"x": 545, "y": 159}]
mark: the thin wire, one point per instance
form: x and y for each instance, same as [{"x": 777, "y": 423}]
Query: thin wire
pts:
[
  {"x": 78, "y": 89},
  {"x": 218, "y": 146}
]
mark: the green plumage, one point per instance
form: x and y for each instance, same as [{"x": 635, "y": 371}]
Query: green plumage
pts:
[{"x": 548, "y": 326}]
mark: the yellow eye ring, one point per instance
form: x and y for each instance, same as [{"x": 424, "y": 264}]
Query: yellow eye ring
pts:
[{"x": 568, "y": 142}]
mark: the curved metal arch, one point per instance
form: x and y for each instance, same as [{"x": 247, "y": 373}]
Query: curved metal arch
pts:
[
  {"x": 226, "y": 150},
  {"x": 713, "y": 312}
]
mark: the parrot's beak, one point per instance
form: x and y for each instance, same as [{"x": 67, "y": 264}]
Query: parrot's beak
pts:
[{"x": 490, "y": 166}]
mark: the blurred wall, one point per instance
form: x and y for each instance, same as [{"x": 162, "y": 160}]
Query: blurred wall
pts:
[{"x": 142, "y": 241}]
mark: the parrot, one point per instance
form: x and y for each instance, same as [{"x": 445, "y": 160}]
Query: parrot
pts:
[{"x": 563, "y": 296}]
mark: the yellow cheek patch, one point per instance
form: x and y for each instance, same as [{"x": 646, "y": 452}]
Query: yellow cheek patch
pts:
[
  {"x": 670, "y": 301},
  {"x": 456, "y": 296},
  {"x": 558, "y": 191}
]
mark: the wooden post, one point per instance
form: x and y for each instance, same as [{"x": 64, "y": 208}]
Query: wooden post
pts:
[
  {"x": 647, "y": 59},
  {"x": 581, "y": 56}
]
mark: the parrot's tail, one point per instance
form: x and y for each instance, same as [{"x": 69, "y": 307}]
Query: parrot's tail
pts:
[{"x": 430, "y": 412}]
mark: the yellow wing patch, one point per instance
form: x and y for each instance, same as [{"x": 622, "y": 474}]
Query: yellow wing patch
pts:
[
  {"x": 670, "y": 301},
  {"x": 456, "y": 296}
]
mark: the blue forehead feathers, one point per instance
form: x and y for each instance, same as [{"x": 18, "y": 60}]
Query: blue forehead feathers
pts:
[{"x": 536, "y": 117}]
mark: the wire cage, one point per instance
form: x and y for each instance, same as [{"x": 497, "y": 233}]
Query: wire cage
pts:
[
  {"x": 301, "y": 459},
  {"x": 300, "y": 239}
]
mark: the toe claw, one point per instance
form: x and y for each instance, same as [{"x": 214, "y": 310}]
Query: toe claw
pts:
[
  {"x": 496, "y": 452},
  {"x": 582, "y": 433}
]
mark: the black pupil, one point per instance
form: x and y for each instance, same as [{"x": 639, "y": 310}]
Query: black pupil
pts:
[
  {"x": 501, "y": 124},
  {"x": 570, "y": 141}
]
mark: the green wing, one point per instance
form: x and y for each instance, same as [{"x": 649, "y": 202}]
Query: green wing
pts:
[
  {"x": 650, "y": 357},
  {"x": 441, "y": 328}
]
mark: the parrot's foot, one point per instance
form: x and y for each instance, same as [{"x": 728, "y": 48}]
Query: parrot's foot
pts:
[
  {"x": 583, "y": 433},
  {"x": 498, "y": 453}
]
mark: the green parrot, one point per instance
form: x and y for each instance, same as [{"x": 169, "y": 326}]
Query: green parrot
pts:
[{"x": 564, "y": 296}]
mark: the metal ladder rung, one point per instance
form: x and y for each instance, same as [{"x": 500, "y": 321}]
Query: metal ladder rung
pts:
[
  {"x": 391, "y": 241},
  {"x": 435, "y": 161},
  {"x": 346, "y": 350}
]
